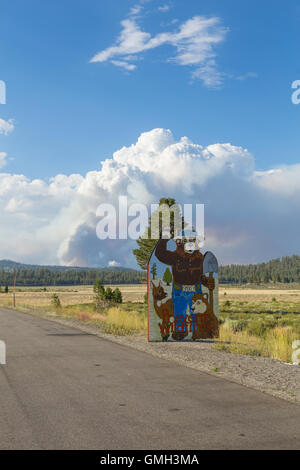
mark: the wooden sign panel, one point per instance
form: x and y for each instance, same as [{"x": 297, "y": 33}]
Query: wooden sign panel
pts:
[{"x": 182, "y": 292}]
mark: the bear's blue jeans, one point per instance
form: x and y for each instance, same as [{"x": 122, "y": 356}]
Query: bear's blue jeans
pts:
[{"x": 182, "y": 301}]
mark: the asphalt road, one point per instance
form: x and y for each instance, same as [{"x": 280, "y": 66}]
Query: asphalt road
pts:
[{"x": 65, "y": 389}]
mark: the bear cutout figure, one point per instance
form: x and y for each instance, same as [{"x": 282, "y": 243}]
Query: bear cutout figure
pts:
[{"x": 182, "y": 296}]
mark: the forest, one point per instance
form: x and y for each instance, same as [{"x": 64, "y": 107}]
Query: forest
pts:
[
  {"x": 54, "y": 277},
  {"x": 280, "y": 270}
]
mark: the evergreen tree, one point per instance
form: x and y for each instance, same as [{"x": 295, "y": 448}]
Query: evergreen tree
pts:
[
  {"x": 153, "y": 271},
  {"x": 99, "y": 289},
  {"x": 117, "y": 296},
  {"x": 167, "y": 277},
  {"x": 108, "y": 295}
]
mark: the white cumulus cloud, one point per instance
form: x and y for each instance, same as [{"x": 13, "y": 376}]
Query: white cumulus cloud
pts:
[{"x": 249, "y": 216}]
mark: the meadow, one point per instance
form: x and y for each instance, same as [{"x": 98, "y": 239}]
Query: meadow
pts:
[
  {"x": 37, "y": 297},
  {"x": 257, "y": 321},
  {"x": 260, "y": 321}
]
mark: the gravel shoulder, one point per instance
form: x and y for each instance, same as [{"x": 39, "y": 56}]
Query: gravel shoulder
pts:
[{"x": 264, "y": 374}]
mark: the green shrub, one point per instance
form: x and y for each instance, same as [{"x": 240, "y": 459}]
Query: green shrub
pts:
[
  {"x": 257, "y": 329},
  {"x": 55, "y": 301},
  {"x": 99, "y": 289},
  {"x": 117, "y": 296},
  {"x": 236, "y": 325},
  {"x": 108, "y": 295}
]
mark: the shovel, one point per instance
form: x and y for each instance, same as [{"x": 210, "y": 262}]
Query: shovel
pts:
[{"x": 210, "y": 265}]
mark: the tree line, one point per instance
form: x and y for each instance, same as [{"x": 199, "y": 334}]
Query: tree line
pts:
[
  {"x": 49, "y": 277},
  {"x": 284, "y": 270}
]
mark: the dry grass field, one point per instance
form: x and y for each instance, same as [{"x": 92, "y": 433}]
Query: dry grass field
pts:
[
  {"x": 40, "y": 297},
  {"x": 244, "y": 294},
  {"x": 74, "y": 295}
]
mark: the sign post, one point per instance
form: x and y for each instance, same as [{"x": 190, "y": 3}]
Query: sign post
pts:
[{"x": 14, "y": 292}]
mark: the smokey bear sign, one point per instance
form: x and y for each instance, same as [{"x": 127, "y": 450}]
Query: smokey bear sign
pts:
[{"x": 182, "y": 291}]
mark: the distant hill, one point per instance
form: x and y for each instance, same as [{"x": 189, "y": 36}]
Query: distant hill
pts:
[
  {"x": 8, "y": 265},
  {"x": 36, "y": 275}
]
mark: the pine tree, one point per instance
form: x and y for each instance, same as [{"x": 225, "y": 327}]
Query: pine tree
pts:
[
  {"x": 153, "y": 271},
  {"x": 167, "y": 276},
  {"x": 117, "y": 296},
  {"x": 99, "y": 294},
  {"x": 108, "y": 294},
  {"x": 99, "y": 289}
]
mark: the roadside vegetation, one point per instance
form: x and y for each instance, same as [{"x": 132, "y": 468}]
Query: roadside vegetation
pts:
[
  {"x": 107, "y": 311},
  {"x": 128, "y": 319},
  {"x": 259, "y": 328},
  {"x": 104, "y": 306}
]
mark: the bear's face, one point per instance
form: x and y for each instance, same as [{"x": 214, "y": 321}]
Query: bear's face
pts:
[
  {"x": 185, "y": 249},
  {"x": 188, "y": 245},
  {"x": 188, "y": 255}
]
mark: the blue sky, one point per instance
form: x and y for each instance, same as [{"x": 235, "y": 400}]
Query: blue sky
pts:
[
  {"x": 70, "y": 114},
  {"x": 87, "y": 78}
]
